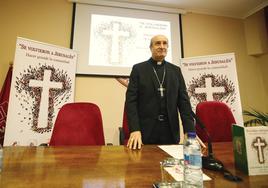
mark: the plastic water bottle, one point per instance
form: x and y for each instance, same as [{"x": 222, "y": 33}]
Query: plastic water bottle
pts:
[{"x": 193, "y": 175}]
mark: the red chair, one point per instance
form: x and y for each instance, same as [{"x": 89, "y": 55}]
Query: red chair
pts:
[
  {"x": 124, "y": 131},
  {"x": 218, "y": 120},
  {"x": 78, "y": 124}
]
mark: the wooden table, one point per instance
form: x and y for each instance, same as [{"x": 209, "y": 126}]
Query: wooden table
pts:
[{"x": 102, "y": 166}]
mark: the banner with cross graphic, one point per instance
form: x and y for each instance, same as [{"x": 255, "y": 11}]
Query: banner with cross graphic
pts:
[
  {"x": 213, "y": 78},
  {"x": 43, "y": 80}
]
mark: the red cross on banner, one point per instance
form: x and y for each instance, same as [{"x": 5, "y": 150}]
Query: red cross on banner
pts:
[{"x": 4, "y": 97}]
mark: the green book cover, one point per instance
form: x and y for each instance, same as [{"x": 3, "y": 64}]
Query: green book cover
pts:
[{"x": 240, "y": 151}]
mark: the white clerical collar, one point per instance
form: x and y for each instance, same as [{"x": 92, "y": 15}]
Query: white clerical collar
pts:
[{"x": 159, "y": 63}]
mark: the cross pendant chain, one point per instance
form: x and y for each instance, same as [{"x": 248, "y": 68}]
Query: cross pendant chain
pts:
[{"x": 161, "y": 89}]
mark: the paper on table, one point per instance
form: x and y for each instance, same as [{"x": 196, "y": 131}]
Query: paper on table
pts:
[{"x": 176, "y": 151}]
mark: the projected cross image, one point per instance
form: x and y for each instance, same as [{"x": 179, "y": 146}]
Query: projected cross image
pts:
[
  {"x": 122, "y": 41},
  {"x": 114, "y": 34}
]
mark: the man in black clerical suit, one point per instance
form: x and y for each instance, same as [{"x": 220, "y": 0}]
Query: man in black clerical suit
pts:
[{"x": 155, "y": 95}]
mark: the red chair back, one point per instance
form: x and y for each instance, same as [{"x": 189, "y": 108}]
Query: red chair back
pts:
[
  {"x": 125, "y": 127},
  {"x": 217, "y": 118},
  {"x": 78, "y": 124}
]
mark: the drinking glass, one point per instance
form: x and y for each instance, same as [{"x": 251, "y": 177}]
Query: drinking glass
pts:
[{"x": 167, "y": 181}]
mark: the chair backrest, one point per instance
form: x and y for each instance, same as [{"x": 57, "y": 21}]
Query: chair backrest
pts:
[
  {"x": 123, "y": 130},
  {"x": 125, "y": 127},
  {"x": 217, "y": 118},
  {"x": 78, "y": 124}
]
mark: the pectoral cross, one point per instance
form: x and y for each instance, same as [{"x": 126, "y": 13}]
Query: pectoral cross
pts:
[{"x": 161, "y": 89}]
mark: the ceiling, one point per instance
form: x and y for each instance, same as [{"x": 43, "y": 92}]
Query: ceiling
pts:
[{"x": 229, "y": 8}]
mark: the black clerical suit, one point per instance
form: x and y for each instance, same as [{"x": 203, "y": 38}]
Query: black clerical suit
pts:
[{"x": 143, "y": 100}]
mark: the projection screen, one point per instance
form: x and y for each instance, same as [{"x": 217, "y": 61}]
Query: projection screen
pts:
[{"x": 110, "y": 40}]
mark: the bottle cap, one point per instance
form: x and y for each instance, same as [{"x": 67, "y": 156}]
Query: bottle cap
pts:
[{"x": 191, "y": 134}]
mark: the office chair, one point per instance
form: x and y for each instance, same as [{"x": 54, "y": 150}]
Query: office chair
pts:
[
  {"x": 218, "y": 120},
  {"x": 124, "y": 131},
  {"x": 78, "y": 124}
]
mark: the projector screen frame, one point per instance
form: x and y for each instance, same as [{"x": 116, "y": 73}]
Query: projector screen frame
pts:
[{"x": 123, "y": 75}]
